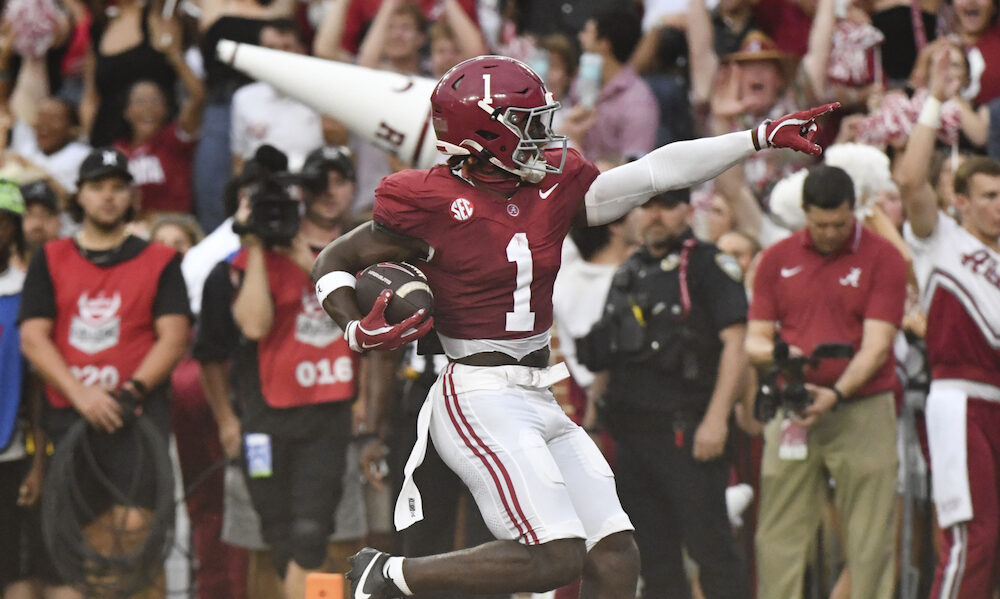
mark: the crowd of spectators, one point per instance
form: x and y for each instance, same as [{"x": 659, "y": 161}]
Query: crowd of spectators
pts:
[{"x": 142, "y": 77}]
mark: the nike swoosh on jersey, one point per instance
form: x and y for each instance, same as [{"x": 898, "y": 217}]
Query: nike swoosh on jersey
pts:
[
  {"x": 372, "y": 346},
  {"x": 790, "y": 272},
  {"x": 547, "y": 192}
]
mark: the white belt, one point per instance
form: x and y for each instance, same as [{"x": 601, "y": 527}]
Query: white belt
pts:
[{"x": 409, "y": 506}]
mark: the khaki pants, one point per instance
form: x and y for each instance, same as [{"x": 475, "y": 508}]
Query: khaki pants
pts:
[{"x": 856, "y": 445}]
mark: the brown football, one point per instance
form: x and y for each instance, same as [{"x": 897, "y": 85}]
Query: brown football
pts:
[{"x": 408, "y": 285}]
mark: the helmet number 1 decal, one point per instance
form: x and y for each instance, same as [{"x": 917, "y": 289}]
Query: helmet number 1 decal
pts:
[
  {"x": 518, "y": 252},
  {"x": 487, "y": 102}
]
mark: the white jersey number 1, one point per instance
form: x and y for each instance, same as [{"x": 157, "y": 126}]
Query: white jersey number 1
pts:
[{"x": 518, "y": 252}]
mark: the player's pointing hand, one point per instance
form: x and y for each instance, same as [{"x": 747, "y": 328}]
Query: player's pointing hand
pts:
[{"x": 796, "y": 131}]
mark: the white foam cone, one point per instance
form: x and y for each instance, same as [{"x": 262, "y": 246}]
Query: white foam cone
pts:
[{"x": 388, "y": 109}]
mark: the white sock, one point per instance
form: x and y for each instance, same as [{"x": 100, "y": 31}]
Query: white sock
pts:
[{"x": 394, "y": 571}]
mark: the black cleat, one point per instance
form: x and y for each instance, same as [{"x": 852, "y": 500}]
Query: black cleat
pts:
[{"x": 368, "y": 580}]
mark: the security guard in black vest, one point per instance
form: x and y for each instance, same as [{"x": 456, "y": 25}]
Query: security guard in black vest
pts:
[{"x": 671, "y": 340}]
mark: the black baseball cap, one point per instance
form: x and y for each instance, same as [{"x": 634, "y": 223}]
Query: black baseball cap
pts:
[
  {"x": 324, "y": 158},
  {"x": 671, "y": 198},
  {"x": 104, "y": 162},
  {"x": 39, "y": 192}
]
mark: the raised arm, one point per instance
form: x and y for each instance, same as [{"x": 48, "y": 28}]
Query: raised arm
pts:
[
  {"x": 686, "y": 163},
  {"x": 703, "y": 61},
  {"x": 910, "y": 174},
  {"x": 91, "y": 99},
  {"x": 468, "y": 38},
  {"x": 373, "y": 46},
  {"x": 815, "y": 62},
  {"x": 326, "y": 44},
  {"x": 166, "y": 37}
]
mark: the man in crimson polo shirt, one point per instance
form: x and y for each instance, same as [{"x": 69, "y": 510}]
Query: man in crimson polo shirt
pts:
[
  {"x": 105, "y": 313},
  {"x": 832, "y": 282}
]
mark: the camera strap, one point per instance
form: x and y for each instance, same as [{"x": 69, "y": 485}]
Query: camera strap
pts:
[{"x": 689, "y": 245}]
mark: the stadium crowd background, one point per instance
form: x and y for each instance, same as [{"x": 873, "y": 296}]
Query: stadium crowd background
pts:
[{"x": 76, "y": 75}]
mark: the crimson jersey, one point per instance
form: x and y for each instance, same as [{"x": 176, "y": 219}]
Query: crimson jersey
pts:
[
  {"x": 105, "y": 322},
  {"x": 494, "y": 260}
]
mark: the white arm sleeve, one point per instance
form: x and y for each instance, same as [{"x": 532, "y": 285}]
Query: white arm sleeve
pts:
[{"x": 673, "y": 166}]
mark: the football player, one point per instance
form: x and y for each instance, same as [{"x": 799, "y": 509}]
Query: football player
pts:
[{"x": 487, "y": 228}]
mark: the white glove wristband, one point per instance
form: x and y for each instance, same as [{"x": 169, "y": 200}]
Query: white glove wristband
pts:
[
  {"x": 351, "y": 335},
  {"x": 332, "y": 281},
  {"x": 930, "y": 114}
]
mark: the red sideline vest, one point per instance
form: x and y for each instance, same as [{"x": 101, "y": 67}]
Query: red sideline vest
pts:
[
  {"x": 104, "y": 316},
  {"x": 304, "y": 359}
]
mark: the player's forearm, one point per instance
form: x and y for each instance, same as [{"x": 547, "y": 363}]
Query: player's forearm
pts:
[
  {"x": 340, "y": 304},
  {"x": 673, "y": 166},
  {"x": 349, "y": 254}
]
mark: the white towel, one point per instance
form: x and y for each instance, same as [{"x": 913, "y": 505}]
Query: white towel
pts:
[{"x": 946, "y": 424}]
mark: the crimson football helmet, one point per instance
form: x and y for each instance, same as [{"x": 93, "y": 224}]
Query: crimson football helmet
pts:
[{"x": 498, "y": 109}]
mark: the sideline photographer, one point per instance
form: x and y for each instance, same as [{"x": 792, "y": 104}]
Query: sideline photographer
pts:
[
  {"x": 671, "y": 338},
  {"x": 832, "y": 281},
  {"x": 297, "y": 419}
]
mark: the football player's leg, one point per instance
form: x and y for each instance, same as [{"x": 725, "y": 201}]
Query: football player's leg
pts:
[
  {"x": 611, "y": 569},
  {"x": 492, "y": 440}
]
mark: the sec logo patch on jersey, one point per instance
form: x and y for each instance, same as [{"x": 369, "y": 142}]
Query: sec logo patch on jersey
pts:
[{"x": 461, "y": 209}]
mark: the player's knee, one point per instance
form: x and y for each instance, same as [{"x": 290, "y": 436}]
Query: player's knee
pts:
[
  {"x": 560, "y": 562},
  {"x": 614, "y": 556},
  {"x": 309, "y": 540}
]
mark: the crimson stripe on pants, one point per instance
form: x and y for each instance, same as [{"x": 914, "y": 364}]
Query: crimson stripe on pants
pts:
[{"x": 485, "y": 454}]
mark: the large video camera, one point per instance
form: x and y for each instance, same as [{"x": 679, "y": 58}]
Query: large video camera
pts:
[
  {"x": 784, "y": 385},
  {"x": 274, "y": 213}
]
